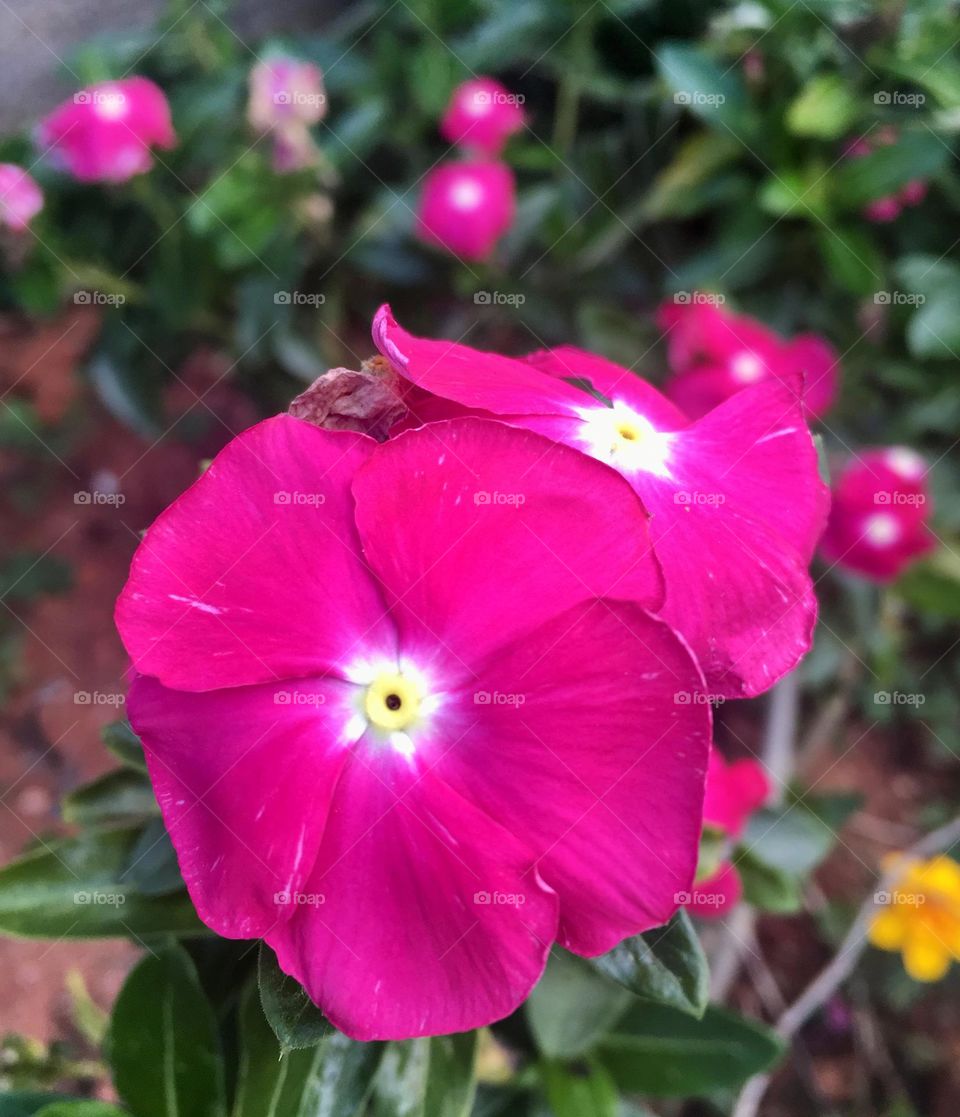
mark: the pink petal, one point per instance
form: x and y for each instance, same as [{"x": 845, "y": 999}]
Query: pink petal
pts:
[
  {"x": 734, "y": 792},
  {"x": 426, "y": 919},
  {"x": 255, "y": 573},
  {"x": 244, "y": 780},
  {"x": 612, "y": 381},
  {"x": 590, "y": 747},
  {"x": 470, "y": 376},
  {"x": 499, "y": 530},
  {"x": 713, "y": 898}
]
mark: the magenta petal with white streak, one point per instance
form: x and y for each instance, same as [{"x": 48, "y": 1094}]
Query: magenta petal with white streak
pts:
[
  {"x": 245, "y": 831},
  {"x": 274, "y": 510},
  {"x": 426, "y": 916}
]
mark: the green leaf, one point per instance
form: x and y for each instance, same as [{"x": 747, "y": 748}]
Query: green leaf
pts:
[
  {"x": 74, "y": 888},
  {"x": 697, "y": 160},
  {"x": 884, "y": 171},
  {"x": 572, "y": 1005},
  {"x": 711, "y": 91},
  {"x": 427, "y": 1078},
  {"x": 766, "y": 886},
  {"x": 153, "y": 869},
  {"x": 934, "y": 330},
  {"x": 659, "y": 1051},
  {"x": 122, "y": 795},
  {"x": 666, "y": 965},
  {"x": 125, "y": 745},
  {"x": 295, "y": 1019},
  {"x": 25, "y": 1103},
  {"x": 853, "y": 258},
  {"x": 793, "y": 838},
  {"x": 825, "y": 108},
  {"x": 82, "y": 1109},
  {"x": 163, "y": 1044},
  {"x": 581, "y": 1088},
  {"x": 333, "y": 1079}
]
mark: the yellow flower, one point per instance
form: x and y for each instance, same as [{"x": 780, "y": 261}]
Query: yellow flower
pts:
[{"x": 920, "y": 916}]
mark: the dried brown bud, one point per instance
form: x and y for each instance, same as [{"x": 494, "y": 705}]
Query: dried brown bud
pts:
[{"x": 368, "y": 400}]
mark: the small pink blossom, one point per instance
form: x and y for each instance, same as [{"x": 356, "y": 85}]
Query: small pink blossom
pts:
[
  {"x": 482, "y": 116},
  {"x": 736, "y": 501},
  {"x": 287, "y": 96},
  {"x": 734, "y": 791},
  {"x": 888, "y": 208},
  {"x": 714, "y": 353},
  {"x": 467, "y": 206},
  {"x": 21, "y": 199},
  {"x": 878, "y": 519},
  {"x": 105, "y": 132},
  {"x": 408, "y": 716}
]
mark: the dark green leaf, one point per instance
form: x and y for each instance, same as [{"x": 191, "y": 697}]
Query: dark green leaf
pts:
[
  {"x": 711, "y": 91},
  {"x": 666, "y": 965},
  {"x": 332, "y": 1079},
  {"x": 152, "y": 868},
  {"x": 121, "y": 795},
  {"x": 660, "y": 1051},
  {"x": 768, "y": 887},
  {"x": 577, "y": 1089},
  {"x": 125, "y": 745},
  {"x": 295, "y": 1019},
  {"x": 25, "y": 1103},
  {"x": 572, "y": 1005},
  {"x": 426, "y": 1078},
  {"x": 163, "y": 1045},
  {"x": 74, "y": 888},
  {"x": 915, "y": 155},
  {"x": 82, "y": 1109}
]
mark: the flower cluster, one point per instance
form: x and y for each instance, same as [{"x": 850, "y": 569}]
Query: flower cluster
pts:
[
  {"x": 473, "y": 660},
  {"x": 466, "y": 206}
]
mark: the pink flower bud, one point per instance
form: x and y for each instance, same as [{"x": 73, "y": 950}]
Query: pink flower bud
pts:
[
  {"x": 104, "y": 133},
  {"x": 20, "y": 197},
  {"x": 466, "y": 207},
  {"x": 283, "y": 92},
  {"x": 482, "y": 115},
  {"x": 882, "y": 210}
]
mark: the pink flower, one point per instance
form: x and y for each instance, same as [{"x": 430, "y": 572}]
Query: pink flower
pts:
[
  {"x": 20, "y": 197},
  {"x": 407, "y": 716},
  {"x": 714, "y": 353},
  {"x": 482, "y": 115},
  {"x": 888, "y": 208},
  {"x": 734, "y": 791},
  {"x": 287, "y": 96},
  {"x": 736, "y": 501},
  {"x": 104, "y": 133},
  {"x": 466, "y": 207},
  {"x": 878, "y": 520}
]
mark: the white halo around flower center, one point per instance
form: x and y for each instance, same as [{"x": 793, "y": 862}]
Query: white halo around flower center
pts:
[
  {"x": 465, "y": 194},
  {"x": 882, "y": 529},
  {"x": 625, "y": 439},
  {"x": 906, "y": 463},
  {"x": 392, "y": 703},
  {"x": 746, "y": 367}
]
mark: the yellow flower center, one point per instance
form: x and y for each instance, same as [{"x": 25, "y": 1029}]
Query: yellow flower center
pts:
[
  {"x": 392, "y": 702},
  {"x": 629, "y": 432}
]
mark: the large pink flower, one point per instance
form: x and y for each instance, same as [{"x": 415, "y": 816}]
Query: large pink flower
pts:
[
  {"x": 735, "y": 499},
  {"x": 407, "y": 717},
  {"x": 713, "y": 354},
  {"x": 104, "y": 133},
  {"x": 466, "y": 207},
  {"x": 21, "y": 199},
  {"x": 482, "y": 115},
  {"x": 878, "y": 520}
]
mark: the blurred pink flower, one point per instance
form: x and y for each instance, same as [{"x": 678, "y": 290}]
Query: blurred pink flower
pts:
[
  {"x": 287, "y": 96},
  {"x": 466, "y": 207},
  {"x": 888, "y": 208},
  {"x": 482, "y": 115},
  {"x": 878, "y": 519},
  {"x": 734, "y": 791},
  {"x": 384, "y": 689},
  {"x": 104, "y": 133},
  {"x": 713, "y": 353},
  {"x": 21, "y": 199}
]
